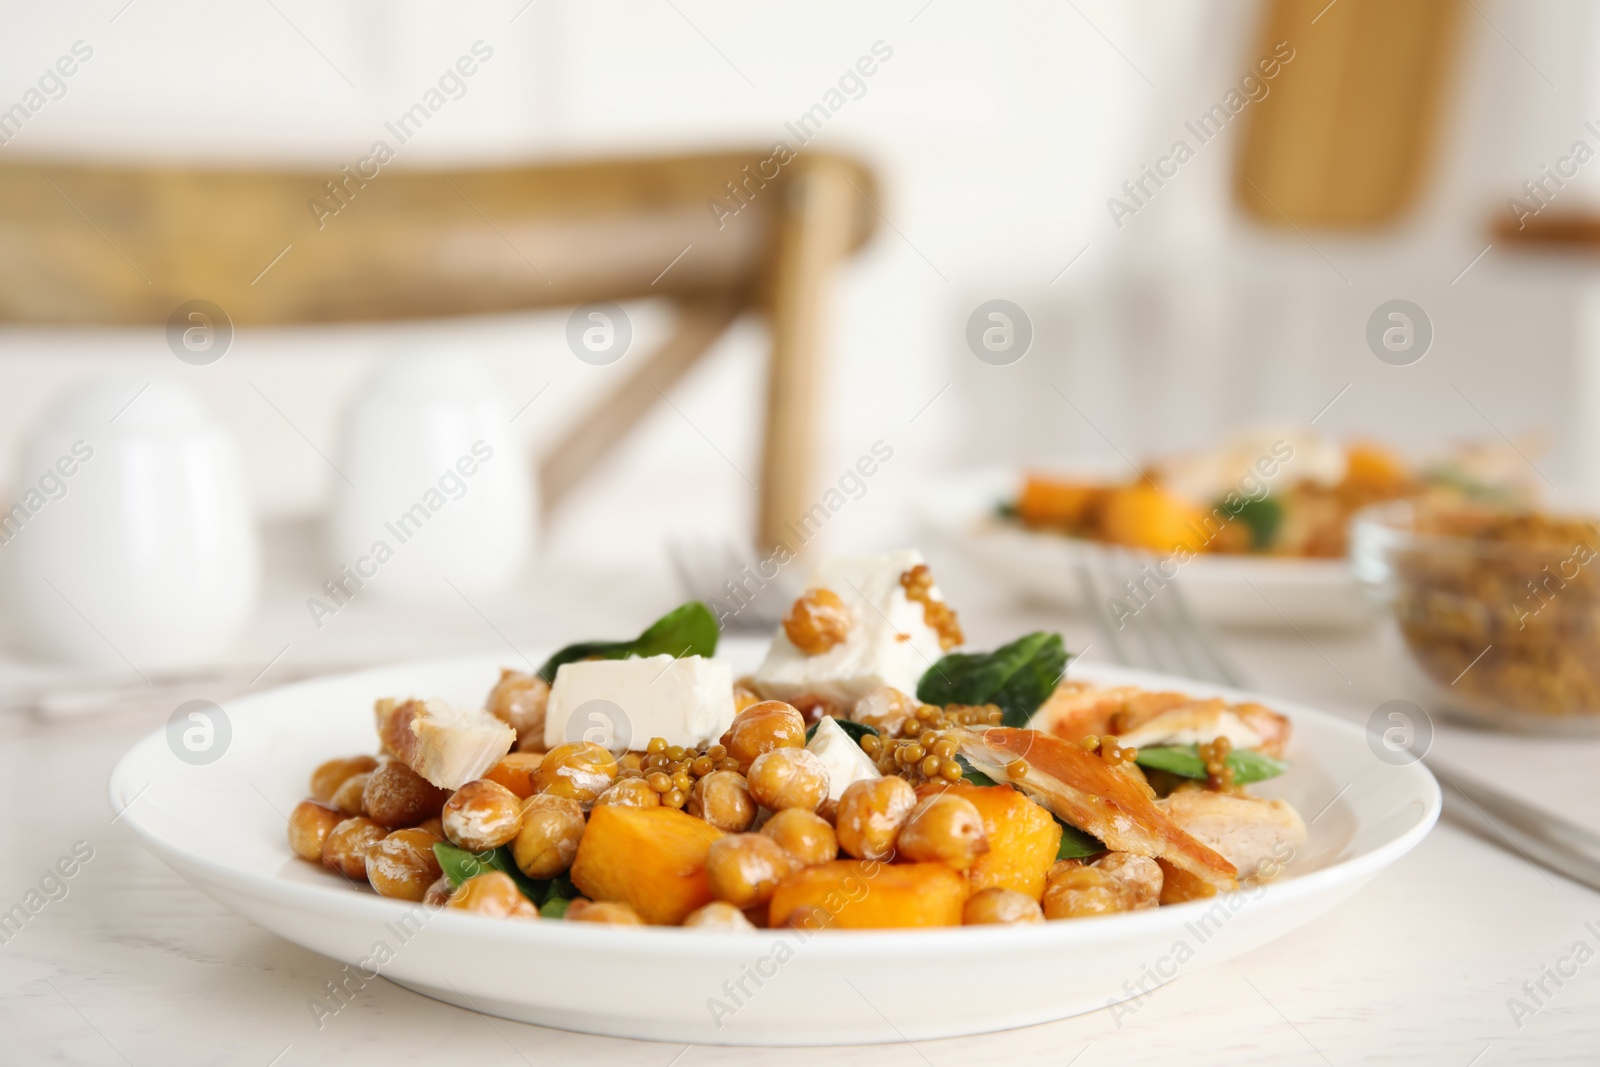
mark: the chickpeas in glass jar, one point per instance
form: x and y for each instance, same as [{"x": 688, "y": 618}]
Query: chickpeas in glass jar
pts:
[
  {"x": 403, "y": 864},
  {"x": 806, "y": 837},
  {"x": 744, "y": 869},
  {"x": 552, "y": 828},
  {"x": 580, "y": 770},
  {"x": 871, "y": 813},
  {"x": 482, "y": 815},
  {"x": 763, "y": 727},
  {"x": 788, "y": 778}
]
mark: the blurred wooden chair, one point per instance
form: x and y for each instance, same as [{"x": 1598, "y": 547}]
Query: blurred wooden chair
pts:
[{"x": 120, "y": 245}]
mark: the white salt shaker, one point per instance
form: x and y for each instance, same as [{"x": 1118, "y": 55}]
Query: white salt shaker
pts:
[
  {"x": 436, "y": 490},
  {"x": 131, "y": 534}
]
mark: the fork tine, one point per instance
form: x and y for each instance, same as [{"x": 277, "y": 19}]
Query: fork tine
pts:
[
  {"x": 1225, "y": 670},
  {"x": 1098, "y": 612}
]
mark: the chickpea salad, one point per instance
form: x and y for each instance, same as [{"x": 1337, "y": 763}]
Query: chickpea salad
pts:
[{"x": 869, "y": 774}]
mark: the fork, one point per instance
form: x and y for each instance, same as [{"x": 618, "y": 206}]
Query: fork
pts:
[
  {"x": 704, "y": 571},
  {"x": 1145, "y": 619},
  {"x": 1154, "y": 628}
]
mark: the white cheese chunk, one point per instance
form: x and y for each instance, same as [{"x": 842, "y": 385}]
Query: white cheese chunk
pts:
[
  {"x": 889, "y": 643},
  {"x": 843, "y": 758},
  {"x": 623, "y": 703}
]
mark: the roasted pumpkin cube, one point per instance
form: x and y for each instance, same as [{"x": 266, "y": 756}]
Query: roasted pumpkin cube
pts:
[
  {"x": 866, "y": 895},
  {"x": 651, "y": 858},
  {"x": 1023, "y": 837},
  {"x": 1048, "y": 501},
  {"x": 1143, "y": 516}
]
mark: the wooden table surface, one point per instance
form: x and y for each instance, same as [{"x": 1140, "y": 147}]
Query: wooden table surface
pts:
[{"x": 1428, "y": 964}]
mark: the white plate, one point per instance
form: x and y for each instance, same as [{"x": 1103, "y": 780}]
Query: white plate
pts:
[
  {"x": 222, "y": 826},
  {"x": 1228, "y": 590}
]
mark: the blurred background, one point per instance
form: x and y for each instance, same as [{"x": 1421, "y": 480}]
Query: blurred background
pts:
[{"x": 1000, "y": 153}]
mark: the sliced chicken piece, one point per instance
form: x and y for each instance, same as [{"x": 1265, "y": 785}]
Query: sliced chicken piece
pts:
[
  {"x": 449, "y": 746},
  {"x": 1257, "y": 836},
  {"x": 1114, "y": 804},
  {"x": 1272, "y": 728},
  {"x": 1192, "y": 724}
]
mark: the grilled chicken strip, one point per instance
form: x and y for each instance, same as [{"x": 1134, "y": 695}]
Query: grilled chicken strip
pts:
[
  {"x": 1139, "y": 719},
  {"x": 1257, "y": 836},
  {"x": 1114, "y": 804}
]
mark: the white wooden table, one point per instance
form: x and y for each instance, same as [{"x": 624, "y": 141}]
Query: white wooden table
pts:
[{"x": 132, "y": 965}]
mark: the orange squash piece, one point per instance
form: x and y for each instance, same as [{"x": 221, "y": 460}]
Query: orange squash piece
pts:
[
  {"x": 1054, "y": 502},
  {"x": 515, "y": 772},
  {"x": 1374, "y": 470},
  {"x": 867, "y": 895},
  {"x": 1023, "y": 837},
  {"x": 651, "y": 858},
  {"x": 1143, "y": 516}
]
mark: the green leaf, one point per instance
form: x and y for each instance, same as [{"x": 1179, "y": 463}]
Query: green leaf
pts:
[
  {"x": 1184, "y": 760},
  {"x": 1075, "y": 844},
  {"x": 856, "y": 730},
  {"x": 687, "y": 630},
  {"x": 973, "y": 775},
  {"x": 555, "y": 909},
  {"x": 1263, "y": 515},
  {"x": 458, "y": 865},
  {"x": 1018, "y": 677},
  {"x": 561, "y": 888}
]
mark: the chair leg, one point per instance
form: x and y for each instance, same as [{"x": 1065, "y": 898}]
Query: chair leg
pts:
[{"x": 817, "y": 227}]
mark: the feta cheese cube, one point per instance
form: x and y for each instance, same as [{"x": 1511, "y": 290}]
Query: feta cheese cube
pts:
[
  {"x": 843, "y": 758},
  {"x": 889, "y": 643},
  {"x": 623, "y": 703}
]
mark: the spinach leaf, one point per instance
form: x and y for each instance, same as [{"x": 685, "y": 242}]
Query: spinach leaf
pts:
[
  {"x": 1184, "y": 760},
  {"x": 459, "y": 865},
  {"x": 1263, "y": 516},
  {"x": 555, "y": 909},
  {"x": 1075, "y": 844},
  {"x": 1018, "y": 677},
  {"x": 687, "y": 630},
  {"x": 856, "y": 730},
  {"x": 973, "y": 775}
]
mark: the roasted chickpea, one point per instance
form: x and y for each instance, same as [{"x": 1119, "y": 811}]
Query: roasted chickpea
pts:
[
  {"x": 345, "y": 848},
  {"x": 630, "y": 793},
  {"x": 482, "y": 814},
  {"x": 722, "y": 798},
  {"x": 348, "y": 798},
  {"x": 397, "y": 796},
  {"x": 788, "y": 778},
  {"x": 1060, "y": 866},
  {"x": 744, "y": 869},
  {"x": 944, "y": 828},
  {"x": 997, "y": 905},
  {"x": 871, "y": 813},
  {"x": 493, "y": 893},
  {"x": 719, "y": 915},
  {"x": 817, "y": 621},
  {"x": 1084, "y": 892},
  {"x": 434, "y": 826},
  {"x": 744, "y": 694},
  {"x": 579, "y": 771},
  {"x": 552, "y": 826},
  {"x": 309, "y": 826},
  {"x": 804, "y": 836},
  {"x": 438, "y": 894},
  {"x": 403, "y": 865},
  {"x": 519, "y": 700},
  {"x": 828, "y": 811},
  {"x": 326, "y": 779},
  {"x": 603, "y": 911},
  {"x": 1140, "y": 875},
  {"x": 761, "y": 728},
  {"x": 885, "y": 709},
  {"x": 516, "y": 770}
]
